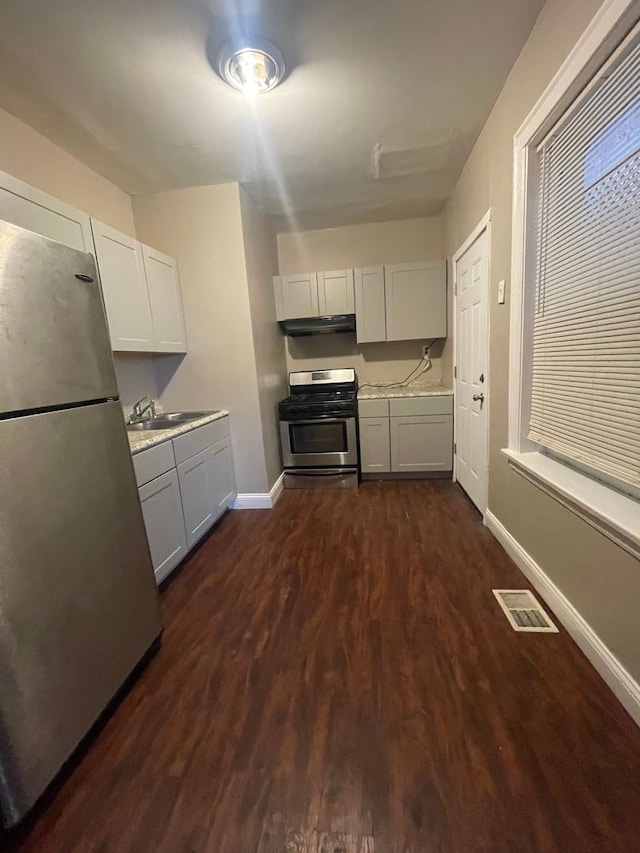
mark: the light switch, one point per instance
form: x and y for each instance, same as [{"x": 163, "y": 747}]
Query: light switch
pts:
[{"x": 501, "y": 288}]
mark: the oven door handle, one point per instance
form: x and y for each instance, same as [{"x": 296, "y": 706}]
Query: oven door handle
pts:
[
  {"x": 321, "y": 472},
  {"x": 319, "y": 419}
]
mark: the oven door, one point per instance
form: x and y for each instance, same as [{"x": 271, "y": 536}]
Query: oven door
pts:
[{"x": 319, "y": 442}]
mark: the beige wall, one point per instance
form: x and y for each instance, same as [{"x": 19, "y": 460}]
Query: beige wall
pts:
[
  {"x": 361, "y": 245},
  {"x": 371, "y": 244},
  {"x": 261, "y": 257},
  {"x": 32, "y": 158},
  {"x": 201, "y": 227},
  {"x": 601, "y": 580}
]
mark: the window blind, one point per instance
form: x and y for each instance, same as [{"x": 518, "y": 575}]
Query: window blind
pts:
[{"x": 585, "y": 397}]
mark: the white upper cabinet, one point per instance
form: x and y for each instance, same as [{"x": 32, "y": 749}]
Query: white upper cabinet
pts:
[
  {"x": 298, "y": 296},
  {"x": 36, "y": 211},
  {"x": 140, "y": 286},
  {"x": 371, "y": 323},
  {"x": 416, "y": 300},
  {"x": 311, "y": 294},
  {"x": 335, "y": 292},
  {"x": 163, "y": 286},
  {"x": 141, "y": 294},
  {"x": 401, "y": 302},
  {"x": 124, "y": 287}
]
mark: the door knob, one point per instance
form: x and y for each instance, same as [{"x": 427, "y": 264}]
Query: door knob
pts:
[{"x": 477, "y": 397}]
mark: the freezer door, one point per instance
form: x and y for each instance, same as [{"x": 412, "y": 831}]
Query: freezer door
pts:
[
  {"x": 54, "y": 344},
  {"x": 78, "y": 598}
]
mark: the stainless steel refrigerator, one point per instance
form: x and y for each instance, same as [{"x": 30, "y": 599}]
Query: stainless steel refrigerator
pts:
[{"x": 78, "y": 598}]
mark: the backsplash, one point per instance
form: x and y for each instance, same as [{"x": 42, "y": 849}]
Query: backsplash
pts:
[
  {"x": 135, "y": 374},
  {"x": 389, "y": 361}
]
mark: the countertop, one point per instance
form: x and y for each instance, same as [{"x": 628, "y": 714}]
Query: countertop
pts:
[
  {"x": 380, "y": 391},
  {"x": 144, "y": 439}
]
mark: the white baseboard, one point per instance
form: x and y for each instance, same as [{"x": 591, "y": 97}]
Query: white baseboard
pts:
[
  {"x": 260, "y": 500},
  {"x": 609, "y": 667}
]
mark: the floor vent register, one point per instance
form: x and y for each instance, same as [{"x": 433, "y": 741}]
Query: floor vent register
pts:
[{"x": 523, "y": 611}]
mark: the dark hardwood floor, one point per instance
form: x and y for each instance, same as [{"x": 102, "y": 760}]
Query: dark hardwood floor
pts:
[{"x": 337, "y": 676}]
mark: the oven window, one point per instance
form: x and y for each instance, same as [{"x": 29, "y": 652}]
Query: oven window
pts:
[{"x": 327, "y": 437}]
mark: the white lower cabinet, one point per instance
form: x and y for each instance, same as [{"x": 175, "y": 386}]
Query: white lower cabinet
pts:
[
  {"x": 222, "y": 475},
  {"x": 406, "y": 435},
  {"x": 207, "y": 486},
  {"x": 422, "y": 443},
  {"x": 375, "y": 453},
  {"x": 164, "y": 522},
  {"x": 184, "y": 486},
  {"x": 196, "y": 487}
]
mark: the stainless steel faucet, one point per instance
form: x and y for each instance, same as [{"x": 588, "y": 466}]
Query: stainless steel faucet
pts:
[{"x": 139, "y": 410}]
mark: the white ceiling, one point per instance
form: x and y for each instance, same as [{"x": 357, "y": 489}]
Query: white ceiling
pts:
[{"x": 126, "y": 87}]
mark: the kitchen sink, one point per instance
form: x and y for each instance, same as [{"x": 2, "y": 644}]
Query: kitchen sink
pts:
[
  {"x": 167, "y": 420},
  {"x": 183, "y": 416}
]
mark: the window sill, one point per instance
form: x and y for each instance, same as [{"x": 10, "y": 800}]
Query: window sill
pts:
[{"x": 610, "y": 512}]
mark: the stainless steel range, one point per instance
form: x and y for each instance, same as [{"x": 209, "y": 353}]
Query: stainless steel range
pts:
[{"x": 318, "y": 429}]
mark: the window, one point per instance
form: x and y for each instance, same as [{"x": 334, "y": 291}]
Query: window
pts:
[
  {"x": 585, "y": 380},
  {"x": 574, "y": 374}
]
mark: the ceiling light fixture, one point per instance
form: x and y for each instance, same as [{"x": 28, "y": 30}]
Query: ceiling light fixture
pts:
[{"x": 255, "y": 68}]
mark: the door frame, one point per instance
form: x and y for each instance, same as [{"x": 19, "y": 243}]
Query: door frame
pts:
[{"x": 483, "y": 225}]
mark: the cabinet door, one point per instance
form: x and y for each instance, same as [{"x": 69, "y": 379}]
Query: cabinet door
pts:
[
  {"x": 375, "y": 456},
  {"x": 30, "y": 208},
  {"x": 277, "y": 291},
  {"x": 163, "y": 285},
  {"x": 164, "y": 523},
  {"x": 124, "y": 287},
  {"x": 196, "y": 488},
  {"x": 422, "y": 443},
  {"x": 222, "y": 476},
  {"x": 369, "y": 301},
  {"x": 416, "y": 301},
  {"x": 300, "y": 295},
  {"x": 335, "y": 292}
]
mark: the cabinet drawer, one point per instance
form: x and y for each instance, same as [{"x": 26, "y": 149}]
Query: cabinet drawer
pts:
[
  {"x": 151, "y": 463},
  {"x": 187, "y": 445},
  {"x": 402, "y": 406},
  {"x": 373, "y": 408}
]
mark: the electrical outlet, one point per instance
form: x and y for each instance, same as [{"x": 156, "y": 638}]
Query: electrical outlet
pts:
[{"x": 425, "y": 350}]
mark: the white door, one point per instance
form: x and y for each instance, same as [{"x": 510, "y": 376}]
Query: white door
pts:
[
  {"x": 472, "y": 344},
  {"x": 371, "y": 323},
  {"x": 335, "y": 292},
  {"x": 300, "y": 295},
  {"x": 124, "y": 287},
  {"x": 166, "y": 305}
]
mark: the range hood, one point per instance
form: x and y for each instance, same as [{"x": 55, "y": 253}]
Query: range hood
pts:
[{"x": 318, "y": 325}]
